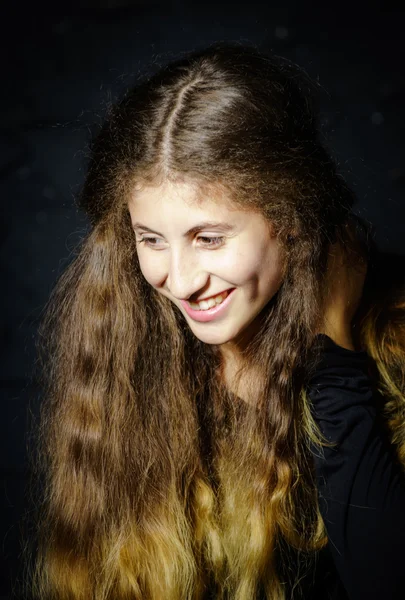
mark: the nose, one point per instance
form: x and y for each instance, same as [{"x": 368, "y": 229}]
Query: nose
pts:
[{"x": 186, "y": 275}]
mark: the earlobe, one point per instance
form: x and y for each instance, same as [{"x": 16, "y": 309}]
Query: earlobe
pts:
[{"x": 292, "y": 235}]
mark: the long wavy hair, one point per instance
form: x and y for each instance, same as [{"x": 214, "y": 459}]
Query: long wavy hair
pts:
[{"x": 161, "y": 484}]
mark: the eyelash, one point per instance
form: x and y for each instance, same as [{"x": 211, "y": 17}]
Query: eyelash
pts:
[{"x": 201, "y": 237}]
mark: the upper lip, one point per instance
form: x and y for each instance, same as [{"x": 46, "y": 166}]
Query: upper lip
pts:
[{"x": 208, "y": 297}]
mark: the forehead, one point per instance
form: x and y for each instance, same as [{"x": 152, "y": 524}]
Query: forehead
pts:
[
  {"x": 182, "y": 195},
  {"x": 186, "y": 205}
]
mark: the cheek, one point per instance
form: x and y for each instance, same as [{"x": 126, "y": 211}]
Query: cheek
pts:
[
  {"x": 248, "y": 267},
  {"x": 273, "y": 274},
  {"x": 262, "y": 270},
  {"x": 152, "y": 270}
]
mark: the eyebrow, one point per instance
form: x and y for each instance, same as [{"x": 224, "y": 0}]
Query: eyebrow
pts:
[{"x": 205, "y": 225}]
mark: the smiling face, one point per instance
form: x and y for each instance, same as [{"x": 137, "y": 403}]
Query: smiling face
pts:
[{"x": 192, "y": 248}]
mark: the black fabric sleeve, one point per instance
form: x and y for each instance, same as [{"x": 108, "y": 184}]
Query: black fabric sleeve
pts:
[{"x": 361, "y": 483}]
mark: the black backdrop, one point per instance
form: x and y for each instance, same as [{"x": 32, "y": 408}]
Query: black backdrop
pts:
[{"x": 58, "y": 74}]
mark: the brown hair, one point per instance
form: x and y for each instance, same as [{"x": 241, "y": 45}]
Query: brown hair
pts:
[{"x": 160, "y": 485}]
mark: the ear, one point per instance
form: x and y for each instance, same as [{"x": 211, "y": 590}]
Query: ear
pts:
[{"x": 292, "y": 236}]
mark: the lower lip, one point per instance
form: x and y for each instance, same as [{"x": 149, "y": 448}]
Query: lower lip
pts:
[{"x": 211, "y": 313}]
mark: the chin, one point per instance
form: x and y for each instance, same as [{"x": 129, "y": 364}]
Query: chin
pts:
[{"x": 213, "y": 338}]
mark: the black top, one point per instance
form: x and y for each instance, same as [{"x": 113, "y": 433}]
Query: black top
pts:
[
  {"x": 361, "y": 485},
  {"x": 361, "y": 489}
]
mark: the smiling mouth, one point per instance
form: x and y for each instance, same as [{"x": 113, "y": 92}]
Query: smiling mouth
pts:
[{"x": 210, "y": 302}]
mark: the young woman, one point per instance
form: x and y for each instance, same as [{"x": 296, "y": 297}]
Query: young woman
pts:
[{"x": 226, "y": 358}]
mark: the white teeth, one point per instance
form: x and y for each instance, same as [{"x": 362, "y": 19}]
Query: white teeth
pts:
[{"x": 206, "y": 304}]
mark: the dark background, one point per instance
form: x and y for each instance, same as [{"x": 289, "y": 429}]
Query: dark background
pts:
[{"x": 58, "y": 75}]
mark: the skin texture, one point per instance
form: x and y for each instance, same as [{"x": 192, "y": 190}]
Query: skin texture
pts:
[{"x": 247, "y": 258}]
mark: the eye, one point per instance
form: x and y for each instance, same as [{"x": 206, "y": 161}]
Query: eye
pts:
[
  {"x": 206, "y": 241},
  {"x": 148, "y": 241},
  {"x": 211, "y": 241}
]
